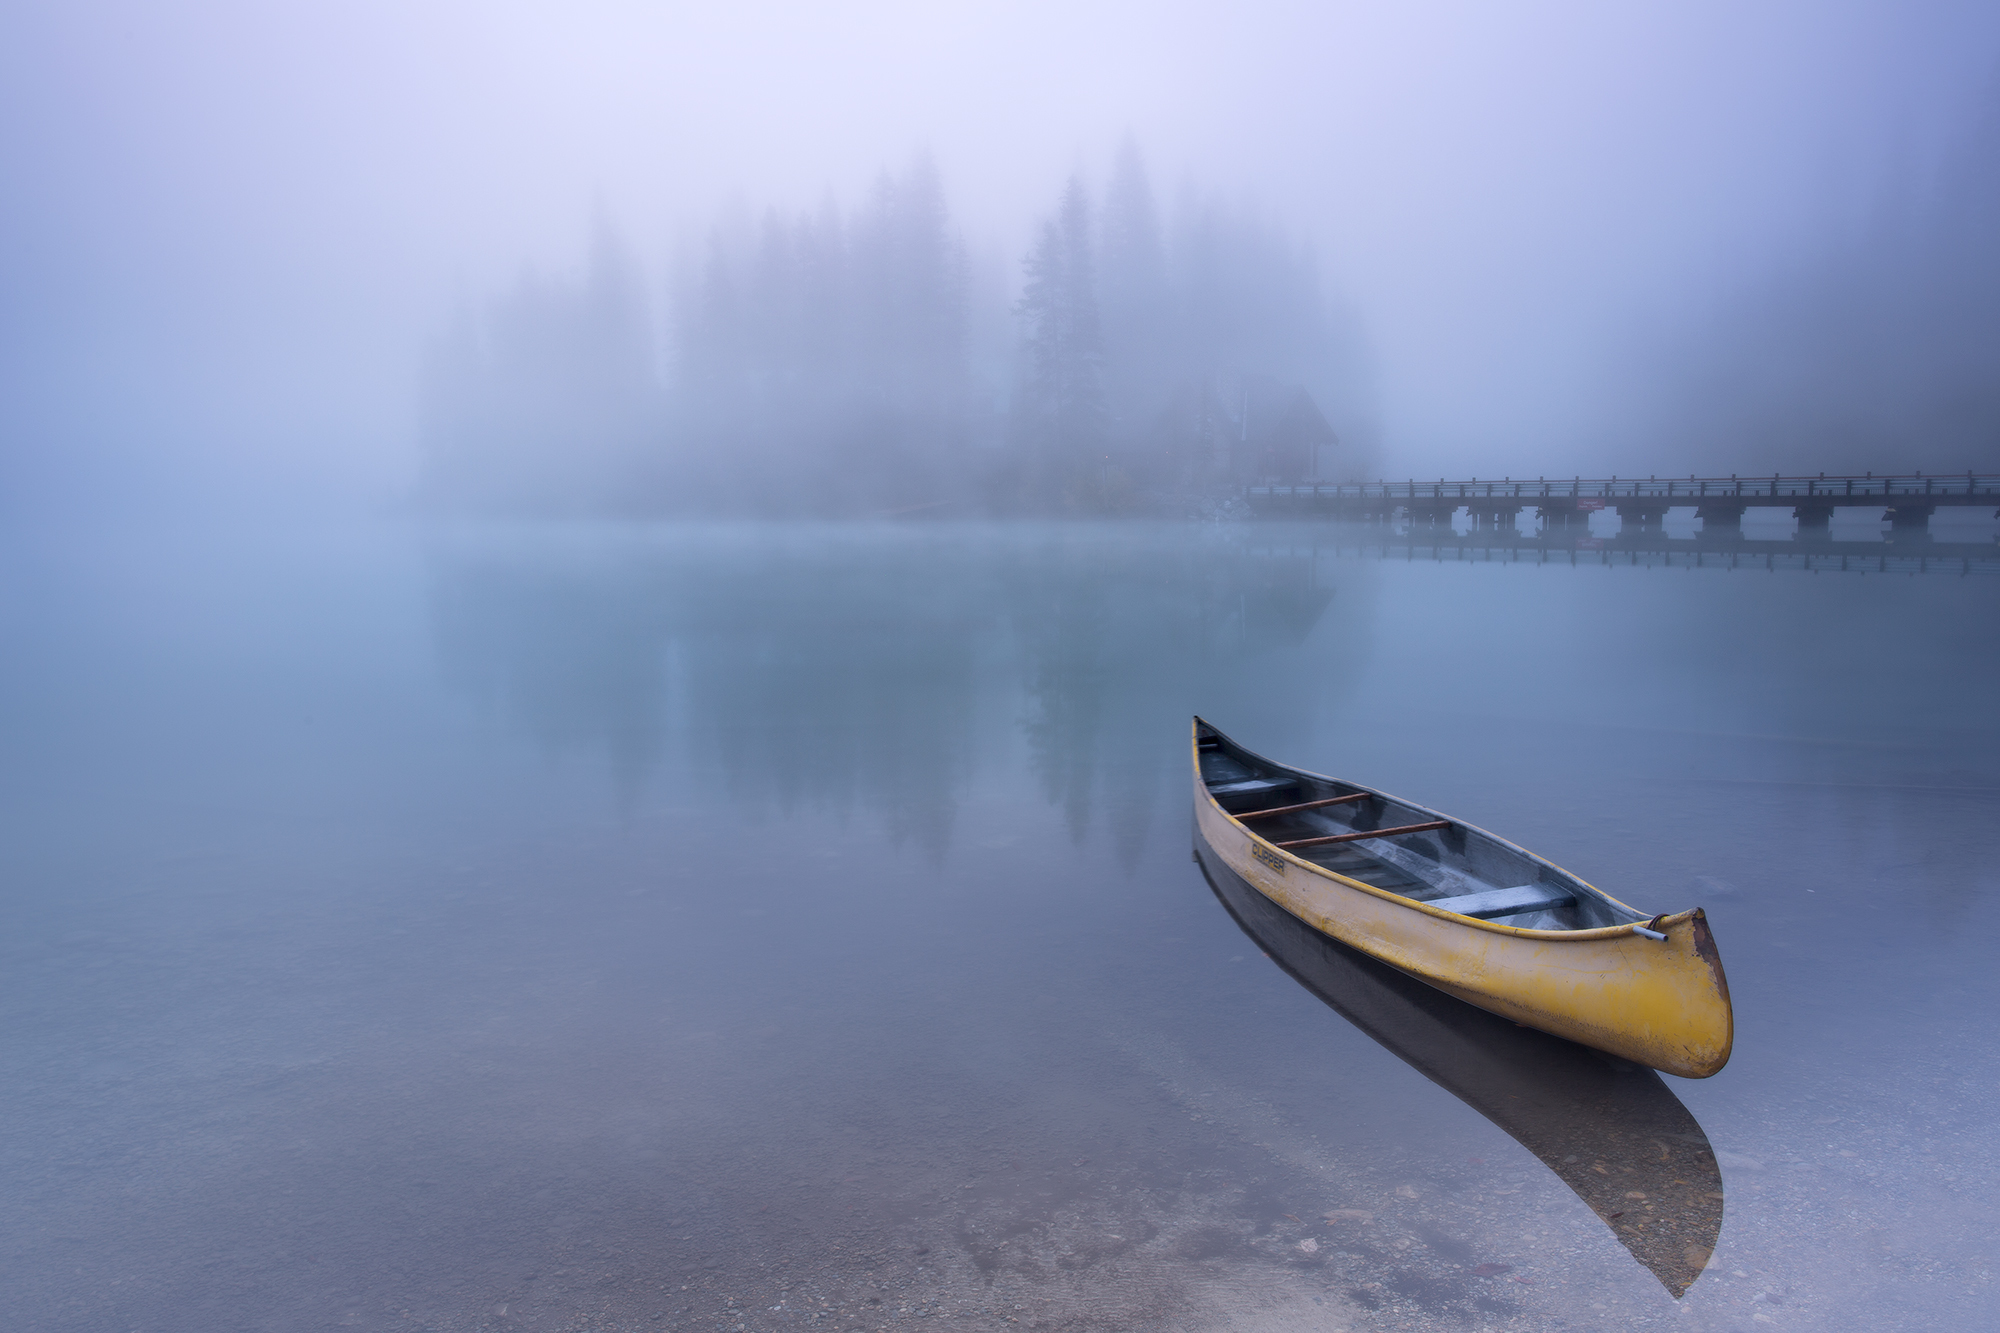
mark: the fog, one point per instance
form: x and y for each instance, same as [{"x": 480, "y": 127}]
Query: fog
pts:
[
  {"x": 854, "y": 362},
  {"x": 515, "y": 817},
  {"x": 241, "y": 242}
]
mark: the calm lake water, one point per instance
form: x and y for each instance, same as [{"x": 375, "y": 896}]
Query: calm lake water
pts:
[{"x": 766, "y": 928}]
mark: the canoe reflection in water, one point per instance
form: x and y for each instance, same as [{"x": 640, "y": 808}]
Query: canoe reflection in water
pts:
[{"x": 1611, "y": 1130}]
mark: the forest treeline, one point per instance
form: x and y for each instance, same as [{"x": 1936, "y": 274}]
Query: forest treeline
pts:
[
  {"x": 1140, "y": 359},
  {"x": 1877, "y": 348}
]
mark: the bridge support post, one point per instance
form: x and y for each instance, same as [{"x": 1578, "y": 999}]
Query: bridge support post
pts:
[
  {"x": 1486, "y": 515},
  {"x": 1642, "y": 515},
  {"x": 1814, "y": 520},
  {"x": 1910, "y": 515},
  {"x": 1721, "y": 519},
  {"x": 1563, "y": 514}
]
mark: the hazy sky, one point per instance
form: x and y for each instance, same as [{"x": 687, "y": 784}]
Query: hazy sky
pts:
[{"x": 229, "y": 227}]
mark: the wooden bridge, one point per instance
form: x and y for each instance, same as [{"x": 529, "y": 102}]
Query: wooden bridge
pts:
[{"x": 1642, "y": 502}]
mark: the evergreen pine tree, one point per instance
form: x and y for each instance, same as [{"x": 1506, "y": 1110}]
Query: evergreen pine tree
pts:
[
  {"x": 1061, "y": 414},
  {"x": 1140, "y": 355}
]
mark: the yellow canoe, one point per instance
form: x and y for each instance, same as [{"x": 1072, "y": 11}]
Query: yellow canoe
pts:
[
  {"x": 1605, "y": 1126},
  {"x": 1469, "y": 913}
]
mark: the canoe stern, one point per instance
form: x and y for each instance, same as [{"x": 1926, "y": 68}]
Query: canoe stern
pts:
[{"x": 1661, "y": 1003}]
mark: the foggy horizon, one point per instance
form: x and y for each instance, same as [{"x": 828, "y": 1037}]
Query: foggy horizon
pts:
[
  {"x": 646, "y": 642},
  {"x": 1564, "y": 240}
]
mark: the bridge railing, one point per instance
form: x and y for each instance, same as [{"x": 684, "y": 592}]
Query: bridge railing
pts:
[{"x": 1684, "y": 490}]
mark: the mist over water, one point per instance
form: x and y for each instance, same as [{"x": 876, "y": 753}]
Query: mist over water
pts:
[
  {"x": 601, "y": 607},
  {"x": 793, "y": 926}
]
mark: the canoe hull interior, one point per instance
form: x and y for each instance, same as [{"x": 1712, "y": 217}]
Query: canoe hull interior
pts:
[{"x": 1663, "y": 1003}]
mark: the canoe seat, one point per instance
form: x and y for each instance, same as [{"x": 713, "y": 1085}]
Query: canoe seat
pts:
[
  {"x": 1250, "y": 786},
  {"x": 1504, "y": 902}
]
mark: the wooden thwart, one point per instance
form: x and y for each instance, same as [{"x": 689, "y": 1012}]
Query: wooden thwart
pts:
[
  {"x": 1505, "y": 902},
  {"x": 1308, "y": 805},
  {"x": 1250, "y": 786},
  {"x": 1371, "y": 833}
]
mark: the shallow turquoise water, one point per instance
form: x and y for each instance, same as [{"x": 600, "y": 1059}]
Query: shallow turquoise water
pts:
[{"x": 580, "y": 928}]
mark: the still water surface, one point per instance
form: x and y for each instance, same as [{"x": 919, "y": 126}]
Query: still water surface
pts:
[{"x": 718, "y": 928}]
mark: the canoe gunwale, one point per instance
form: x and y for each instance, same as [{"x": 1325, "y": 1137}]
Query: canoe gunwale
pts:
[
  {"x": 1661, "y": 1002},
  {"x": 1455, "y": 918}
]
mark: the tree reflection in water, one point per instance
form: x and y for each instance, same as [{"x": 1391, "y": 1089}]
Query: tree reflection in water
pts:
[{"x": 865, "y": 669}]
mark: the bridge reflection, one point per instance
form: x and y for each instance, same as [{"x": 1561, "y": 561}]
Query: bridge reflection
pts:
[{"x": 1649, "y": 547}]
